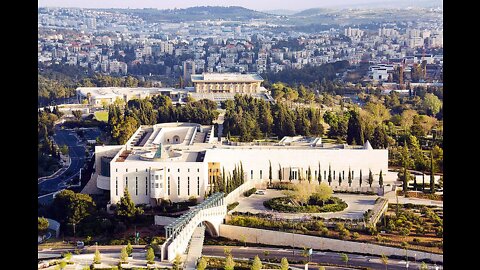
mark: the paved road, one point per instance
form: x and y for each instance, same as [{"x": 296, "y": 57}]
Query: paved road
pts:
[
  {"x": 318, "y": 257},
  {"x": 77, "y": 155},
  {"x": 357, "y": 205}
]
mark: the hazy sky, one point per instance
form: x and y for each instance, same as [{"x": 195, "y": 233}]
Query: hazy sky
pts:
[{"x": 252, "y": 4}]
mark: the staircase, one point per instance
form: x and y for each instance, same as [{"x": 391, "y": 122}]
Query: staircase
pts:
[
  {"x": 195, "y": 248},
  {"x": 199, "y": 137}
]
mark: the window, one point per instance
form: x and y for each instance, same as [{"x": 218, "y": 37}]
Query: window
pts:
[
  {"x": 178, "y": 186},
  {"x": 146, "y": 170},
  {"x": 188, "y": 170},
  {"x": 178, "y": 169},
  {"x": 315, "y": 174},
  {"x": 168, "y": 185},
  {"x": 136, "y": 170},
  {"x": 116, "y": 170},
  {"x": 126, "y": 170},
  {"x": 198, "y": 170},
  {"x": 324, "y": 174},
  {"x": 198, "y": 186},
  {"x": 251, "y": 174},
  {"x": 116, "y": 186},
  {"x": 136, "y": 186},
  {"x": 156, "y": 177},
  {"x": 210, "y": 170},
  {"x": 333, "y": 175},
  {"x": 188, "y": 186},
  {"x": 146, "y": 185},
  {"x": 343, "y": 174},
  {"x": 126, "y": 182},
  {"x": 168, "y": 170},
  {"x": 156, "y": 185},
  {"x": 260, "y": 174}
]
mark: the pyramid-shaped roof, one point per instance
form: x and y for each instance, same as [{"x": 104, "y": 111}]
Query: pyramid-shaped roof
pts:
[{"x": 367, "y": 146}]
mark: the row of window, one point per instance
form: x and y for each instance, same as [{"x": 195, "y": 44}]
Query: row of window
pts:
[
  {"x": 168, "y": 170},
  {"x": 159, "y": 185}
]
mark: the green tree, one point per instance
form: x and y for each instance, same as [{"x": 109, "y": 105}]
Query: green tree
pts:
[
  {"x": 229, "y": 263},
  {"x": 126, "y": 208},
  {"x": 370, "y": 178},
  {"x": 97, "y": 257},
  {"x": 284, "y": 264},
  {"x": 344, "y": 258},
  {"x": 67, "y": 256},
  {"x": 42, "y": 224},
  {"x": 123, "y": 255},
  {"x": 129, "y": 248},
  {"x": 257, "y": 264},
  {"x": 309, "y": 174},
  {"x": 177, "y": 262},
  {"x": 355, "y": 129},
  {"x": 432, "y": 104},
  {"x": 202, "y": 264},
  {"x": 329, "y": 175},
  {"x": 360, "y": 178},
  {"x": 423, "y": 266},
  {"x": 380, "y": 179},
  {"x": 270, "y": 172},
  {"x": 384, "y": 260},
  {"x": 150, "y": 256},
  {"x": 349, "y": 177},
  {"x": 77, "y": 114},
  {"x": 319, "y": 177},
  {"x": 73, "y": 207},
  {"x": 61, "y": 265},
  {"x": 64, "y": 149},
  {"x": 432, "y": 174}
]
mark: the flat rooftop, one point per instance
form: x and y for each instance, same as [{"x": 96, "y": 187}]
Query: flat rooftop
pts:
[
  {"x": 120, "y": 91},
  {"x": 227, "y": 77}
]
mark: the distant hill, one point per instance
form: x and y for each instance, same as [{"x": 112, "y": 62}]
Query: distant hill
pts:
[
  {"x": 310, "y": 12},
  {"x": 280, "y": 12},
  {"x": 195, "y": 13}
]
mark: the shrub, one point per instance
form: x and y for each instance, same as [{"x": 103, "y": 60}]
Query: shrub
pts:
[
  {"x": 344, "y": 234},
  {"x": 324, "y": 231},
  {"x": 232, "y": 206},
  {"x": 249, "y": 192},
  {"x": 282, "y": 186},
  {"x": 355, "y": 235}
]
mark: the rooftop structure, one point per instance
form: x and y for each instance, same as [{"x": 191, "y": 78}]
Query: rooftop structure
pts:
[
  {"x": 98, "y": 96},
  {"x": 175, "y": 161},
  {"x": 228, "y": 83}
]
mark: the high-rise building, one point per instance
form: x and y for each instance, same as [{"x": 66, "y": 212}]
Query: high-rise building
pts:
[{"x": 188, "y": 70}]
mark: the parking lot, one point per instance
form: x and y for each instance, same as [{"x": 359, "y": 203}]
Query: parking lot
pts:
[{"x": 357, "y": 205}]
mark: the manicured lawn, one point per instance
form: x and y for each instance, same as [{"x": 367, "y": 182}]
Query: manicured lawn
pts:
[{"x": 101, "y": 116}]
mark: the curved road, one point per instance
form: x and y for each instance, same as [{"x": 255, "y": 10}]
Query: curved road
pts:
[{"x": 76, "y": 152}]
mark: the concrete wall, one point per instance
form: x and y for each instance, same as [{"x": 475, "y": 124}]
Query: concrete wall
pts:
[
  {"x": 256, "y": 160},
  {"x": 253, "y": 235}
]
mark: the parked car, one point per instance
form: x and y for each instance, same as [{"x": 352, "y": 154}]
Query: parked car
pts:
[
  {"x": 260, "y": 192},
  {"x": 80, "y": 244}
]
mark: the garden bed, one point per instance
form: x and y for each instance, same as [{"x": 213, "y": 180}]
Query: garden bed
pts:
[{"x": 283, "y": 204}]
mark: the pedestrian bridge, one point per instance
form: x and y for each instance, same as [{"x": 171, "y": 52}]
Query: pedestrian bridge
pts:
[{"x": 210, "y": 213}]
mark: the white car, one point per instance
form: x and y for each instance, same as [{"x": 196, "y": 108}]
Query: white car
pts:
[{"x": 260, "y": 192}]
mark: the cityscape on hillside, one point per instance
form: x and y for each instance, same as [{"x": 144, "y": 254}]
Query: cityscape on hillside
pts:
[{"x": 235, "y": 137}]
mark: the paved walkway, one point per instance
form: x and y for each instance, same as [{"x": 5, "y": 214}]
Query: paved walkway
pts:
[
  {"x": 195, "y": 248},
  {"x": 357, "y": 205}
]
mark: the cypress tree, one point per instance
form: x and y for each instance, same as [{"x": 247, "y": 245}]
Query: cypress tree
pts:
[
  {"x": 319, "y": 174},
  {"x": 242, "y": 177},
  {"x": 329, "y": 175},
  {"x": 270, "y": 172},
  {"x": 432, "y": 175},
  {"x": 309, "y": 175},
  {"x": 380, "y": 179},
  {"x": 349, "y": 177},
  {"x": 360, "y": 180},
  {"x": 370, "y": 178},
  {"x": 423, "y": 181}
]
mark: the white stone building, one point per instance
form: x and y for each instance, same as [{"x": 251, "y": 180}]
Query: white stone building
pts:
[{"x": 177, "y": 161}]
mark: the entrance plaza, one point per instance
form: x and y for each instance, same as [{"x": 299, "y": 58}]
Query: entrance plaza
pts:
[{"x": 357, "y": 205}]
